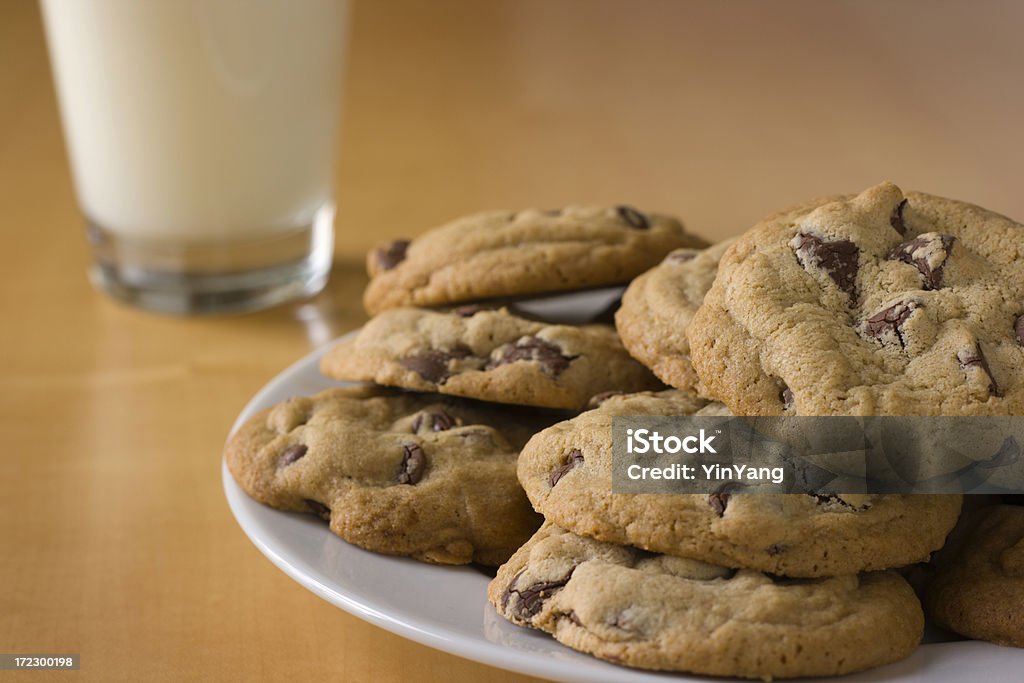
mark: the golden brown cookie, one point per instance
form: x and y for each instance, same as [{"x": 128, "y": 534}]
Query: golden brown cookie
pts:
[
  {"x": 567, "y": 473},
  {"x": 979, "y": 592},
  {"x": 508, "y": 254},
  {"x": 489, "y": 355},
  {"x": 658, "y": 306},
  {"x": 651, "y": 611},
  {"x": 887, "y": 303},
  {"x": 397, "y": 473}
]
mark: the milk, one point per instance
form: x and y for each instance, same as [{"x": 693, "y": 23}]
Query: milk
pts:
[{"x": 198, "y": 120}]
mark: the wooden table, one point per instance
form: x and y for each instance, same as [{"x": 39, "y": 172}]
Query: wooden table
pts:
[{"x": 116, "y": 539}]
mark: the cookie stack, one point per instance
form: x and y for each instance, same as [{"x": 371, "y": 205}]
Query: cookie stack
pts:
[
  {"x": 880, "y": 304},
  {"x": 747, "y": 585},
  {"x": 432, "y": 474},
  {"x": 884, "y": 303}
]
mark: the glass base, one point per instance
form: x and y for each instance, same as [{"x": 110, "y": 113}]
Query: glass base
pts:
[{"x": 214, "y": 277}]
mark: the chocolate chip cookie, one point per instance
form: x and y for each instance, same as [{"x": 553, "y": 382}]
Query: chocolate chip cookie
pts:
[
  {"x": 979, "y": 592},
  {"x": 657, "y": 307},
  {"x": 881, "y": 304},
  {"x": 567, "y": 473},
  {"x": 430, "y": 477},
  {"x": 651, "y": 611},
  {"x": 489, "y": 355},
  {"x": 505, "y": 254}
]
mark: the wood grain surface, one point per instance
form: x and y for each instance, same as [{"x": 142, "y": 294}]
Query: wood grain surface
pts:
[{"x": 115, "y": 539}]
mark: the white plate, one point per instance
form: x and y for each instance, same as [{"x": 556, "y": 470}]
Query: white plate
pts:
[{"x": 446, "y": 607}]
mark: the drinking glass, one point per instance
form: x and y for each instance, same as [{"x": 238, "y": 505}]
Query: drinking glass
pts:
[{"x": 201, "y": 136}]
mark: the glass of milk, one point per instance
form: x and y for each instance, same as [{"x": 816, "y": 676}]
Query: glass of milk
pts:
[{"x": 201, "y": 135}]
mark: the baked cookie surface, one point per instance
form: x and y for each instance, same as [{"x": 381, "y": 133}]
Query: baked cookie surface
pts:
[
  {"x": 488, "y": 355},
  {"x": 657, "y": 307},
  {"x": 504, "y": 254},
  {"x": 881, "y": 304},
  {"x": 979, "y": 592},
  {"x": 566, "y": 471},
  {"x": 652, "y": 611},
  {"x": 425, "y": 476}
]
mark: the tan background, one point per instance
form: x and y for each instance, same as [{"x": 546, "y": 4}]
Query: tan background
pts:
[{"x": 115, "y": 540}]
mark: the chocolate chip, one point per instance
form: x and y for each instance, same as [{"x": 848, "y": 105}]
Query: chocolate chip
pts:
[
  {"x": 536, "y": 349},
  {"x": 787, "y": 398},
  {"x": 1018, "y": 329},
  {"x": 833, "y": 499},
  {"x": 597, "y": 399},
  {"x": 775, "y": 549},
  {"x": 432, "y": 364},
  {"x": 571, "y": 461},
  {"x": 896, "y": 219},
  {"x": 975, "y": 358},
  {"x": 839, "y": 259},
  {"x": 318, "y": 509},
  {"x": 433, "y": 421},
  {"x": 414, "y": 461},
  {"x": 634, "y": 218},
  {"x": 507, "y": 595},
  {"x": 531, "y": 598},
  {"x": 460, "y": 352},
  {"x": 718, "y": 502},
  {"x": 392, "y": 254},
  {"x": 889, "y": 322},
  {"x": 294, "y": 452},
  {"x": 927, "y": 253}
]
